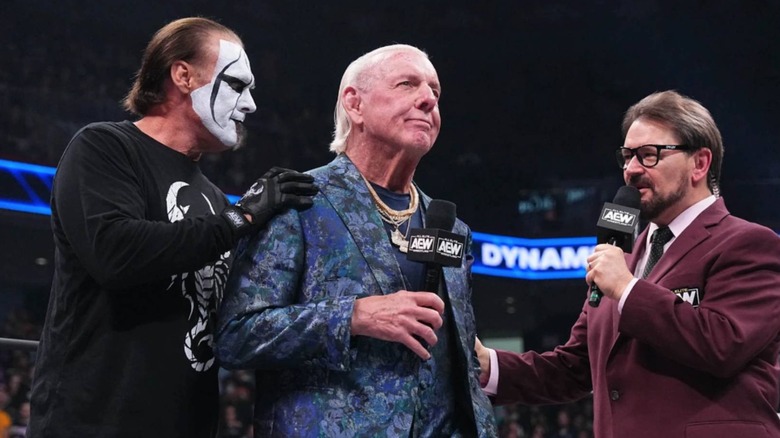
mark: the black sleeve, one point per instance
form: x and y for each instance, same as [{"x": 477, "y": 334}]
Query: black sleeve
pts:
[{"x": 99, "y": 211}]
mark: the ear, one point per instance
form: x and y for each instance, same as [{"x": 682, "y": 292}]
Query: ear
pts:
[
  {"x": 353, "y": 104},
  {"x": 183, "y": 76},
  {"x": 702, "y": 160}
]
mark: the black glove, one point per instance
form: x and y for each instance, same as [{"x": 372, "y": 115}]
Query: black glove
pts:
[{"x": 276, "y": 191}]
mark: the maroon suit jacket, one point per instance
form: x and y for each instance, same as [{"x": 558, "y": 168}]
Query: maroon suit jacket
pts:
[{"x": 664, "y": 367}]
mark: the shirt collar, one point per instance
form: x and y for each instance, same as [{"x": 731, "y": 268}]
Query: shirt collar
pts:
[{"x": 681, "y": 222}]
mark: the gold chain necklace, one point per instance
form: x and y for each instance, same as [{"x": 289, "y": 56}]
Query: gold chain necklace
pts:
[{"x": 394, "y": 217}]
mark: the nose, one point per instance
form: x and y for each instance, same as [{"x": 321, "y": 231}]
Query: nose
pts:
[
  {"x": 427, "y": 99},
  {"x": 246, "y": 104}
]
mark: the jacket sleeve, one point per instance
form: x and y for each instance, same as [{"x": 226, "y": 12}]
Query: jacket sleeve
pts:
[
  {"x": 735, "y": 320},
  {"x": 99, "y": 214},
  {"x": 265, "y": 323},
  {"x": 559, "y": 376}
]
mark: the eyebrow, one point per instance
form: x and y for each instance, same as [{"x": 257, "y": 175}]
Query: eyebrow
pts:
[
  {"x": 223, "y": 76},
  {"x": 416, "y": 77}
]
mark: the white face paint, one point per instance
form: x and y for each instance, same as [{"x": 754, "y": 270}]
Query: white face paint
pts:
[{"x": 223, "y": 103}]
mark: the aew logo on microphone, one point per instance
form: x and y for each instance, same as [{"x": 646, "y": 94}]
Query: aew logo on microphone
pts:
[
  {"x": 421, "y": 243},
  {"x": 450, "y": 248},
  {"x": 619, "y": 217},
  {"x": 436, "y": 246},
  {"x": 447, "y": 247}
]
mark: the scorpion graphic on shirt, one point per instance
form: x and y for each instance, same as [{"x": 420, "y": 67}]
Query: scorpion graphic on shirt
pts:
[{"x": 202, "y": 288}]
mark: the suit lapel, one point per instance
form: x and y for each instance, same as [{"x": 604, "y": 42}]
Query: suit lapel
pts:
[
  {"x": 455, "y": 279},
  {"x": 347, "y": 193},
  {"x": 693, "y": 235}
]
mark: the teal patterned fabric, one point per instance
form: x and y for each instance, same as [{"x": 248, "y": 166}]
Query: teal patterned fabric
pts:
[{"x": 287, "y": 309}]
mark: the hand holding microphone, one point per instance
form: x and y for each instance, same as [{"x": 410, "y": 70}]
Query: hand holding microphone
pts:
[
  {"x": 409, "y": 318},
  {"x": 616, "y": 226},
  {"x": 412, "y": 318}
]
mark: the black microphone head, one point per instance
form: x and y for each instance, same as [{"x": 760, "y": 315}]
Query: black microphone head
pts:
[
  {"x": 441, "y": 215},
  {"x": 628, "y": 196},
  {"x": 616, "y": 226},
  {"x": 619, "y": 219},
  {"x": 436, "y": 244}
]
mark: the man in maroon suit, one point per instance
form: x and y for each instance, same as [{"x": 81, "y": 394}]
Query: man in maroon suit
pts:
[{"x": 686, "y": 341}]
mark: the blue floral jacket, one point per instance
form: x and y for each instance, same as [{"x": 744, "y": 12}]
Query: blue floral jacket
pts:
[{"x": 287, "y": 310}]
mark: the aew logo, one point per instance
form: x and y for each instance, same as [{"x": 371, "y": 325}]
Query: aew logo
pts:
[
  {"x": 445, "y": 246},
  {"x": 422, "y": 243},
  {"x": 235, "y": 217},
  {"x": 619, "y": 217},
  {"x": 450, "y": 248},
  {"x": 436, "y": 246},
  {"x": 689, "y": 295}
]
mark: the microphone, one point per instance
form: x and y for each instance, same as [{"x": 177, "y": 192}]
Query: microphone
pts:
[
  {"x": 436, "y": 245},
  {"x": 616, "y": 226}
]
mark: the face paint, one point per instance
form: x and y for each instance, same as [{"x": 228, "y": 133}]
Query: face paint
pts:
[{"x": 223, "y": 103}]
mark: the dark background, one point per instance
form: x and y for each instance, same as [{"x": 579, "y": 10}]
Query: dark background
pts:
[{"x": 533, "y": 97}]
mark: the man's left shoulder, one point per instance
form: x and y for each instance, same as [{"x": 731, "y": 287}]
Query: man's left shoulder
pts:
[
  {"x": 745, "y": 237},
  {"x": 734, "y": 224}
]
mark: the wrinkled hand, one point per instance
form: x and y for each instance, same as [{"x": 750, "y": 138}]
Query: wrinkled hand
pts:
[
  {"x": 276, "y": 191},
  {"x": 484, "y": 362},
  {"x": 607, "y": 268},
  {"x": 409, "y": 318}
]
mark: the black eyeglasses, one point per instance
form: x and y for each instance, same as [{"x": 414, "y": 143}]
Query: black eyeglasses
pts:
[{"x": 648, "y": 155}]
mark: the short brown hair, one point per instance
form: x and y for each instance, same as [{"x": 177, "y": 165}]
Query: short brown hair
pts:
[
  {"x": 179, "y": 40},
  {"x": 691, "y": 122}
]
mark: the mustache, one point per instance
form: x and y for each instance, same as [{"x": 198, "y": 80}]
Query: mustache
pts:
[{"x": 639, "y": 181}]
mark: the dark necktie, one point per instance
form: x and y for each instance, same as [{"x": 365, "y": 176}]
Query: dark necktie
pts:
[{"x": 659, "y": 238}]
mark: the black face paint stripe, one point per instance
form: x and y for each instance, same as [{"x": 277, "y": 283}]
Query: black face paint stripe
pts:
[{"x": 214, "y": 91}]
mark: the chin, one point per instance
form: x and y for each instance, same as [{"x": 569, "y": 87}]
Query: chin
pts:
[
  {"x": 422, "y": 144},
  {"x": 233, "y": 144},
  {"x": 241, "y": 135}
]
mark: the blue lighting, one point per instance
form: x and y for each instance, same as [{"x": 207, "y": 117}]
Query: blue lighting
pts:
[
  {"x": 26, "y": 167},
  {"x": 28, "y": 177},
  {"x": 535, "y": 243},
  {"x": 34, "y": 201},
  {"x": 494, "y": 255},
  {"x": 531, "y": 259},
  {"x": 26, "y": 208},
  {"x": 529, "y": 275}
]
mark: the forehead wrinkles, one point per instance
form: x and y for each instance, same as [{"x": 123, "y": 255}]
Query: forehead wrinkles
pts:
[
  {"x": 388, "y": 65},
  {"x": 229, "y": 52}
]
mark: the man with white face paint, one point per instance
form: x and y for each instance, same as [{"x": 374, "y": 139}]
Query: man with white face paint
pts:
[
  {"x": 143, "y": 244},
  {"x": 223, "y": 103}
]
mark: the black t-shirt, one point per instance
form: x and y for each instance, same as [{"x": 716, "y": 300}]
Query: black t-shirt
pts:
[{"x": 141, "y": 257}]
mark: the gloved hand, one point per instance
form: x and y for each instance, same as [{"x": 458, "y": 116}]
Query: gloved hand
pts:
[{"x": 276, "y": 191}]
